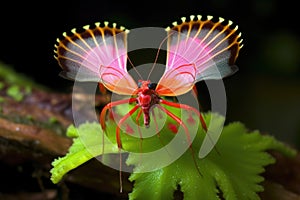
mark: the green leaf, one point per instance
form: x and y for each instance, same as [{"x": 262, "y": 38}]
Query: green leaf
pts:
[
  {"x": 87, "y": 144},
  {"x": 231, "y": 171},
  {"x": 11, "y": 77},
  {"x": 15, "y": 92}
]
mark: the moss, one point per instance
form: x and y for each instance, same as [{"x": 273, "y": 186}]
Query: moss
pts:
[
  {"x": 15, "y": 92},
  {"x": 9, "y": 76},
  {"x": 1, "y": 85}
]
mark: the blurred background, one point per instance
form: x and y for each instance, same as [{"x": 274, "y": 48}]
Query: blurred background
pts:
[{"x": 264, "y": 94}]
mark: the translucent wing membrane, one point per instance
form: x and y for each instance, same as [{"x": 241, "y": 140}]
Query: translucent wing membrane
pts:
[
  {"x": 97, "y": 55},
  {"x": 198, "y": 50}
]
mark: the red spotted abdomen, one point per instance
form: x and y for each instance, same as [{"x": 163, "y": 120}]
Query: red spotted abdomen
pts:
[{"x": 145, "y": 102}]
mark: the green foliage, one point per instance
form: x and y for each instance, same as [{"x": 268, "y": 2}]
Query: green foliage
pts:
[
  {"x": 11, "y": 77},
  {"x": 232, "y": 170},
  {"x": 16, "y": 85},
  {"x": 15, "y": 92},
  {"x": 1, "y": 85},
  {"x": 87, "y": 144}
]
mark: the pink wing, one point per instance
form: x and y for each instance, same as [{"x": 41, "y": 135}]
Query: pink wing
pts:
[
  {"x": 97, "y": 55},
  {"x": 198, "y": 50}
]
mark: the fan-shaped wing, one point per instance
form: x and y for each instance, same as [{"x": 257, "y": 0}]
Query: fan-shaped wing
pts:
[
  {"x": 97, "y": 55},
  {"x": 198, "y": 50}
]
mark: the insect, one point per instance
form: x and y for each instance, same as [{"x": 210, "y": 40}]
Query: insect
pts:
[{"x": 198, "y": 49}]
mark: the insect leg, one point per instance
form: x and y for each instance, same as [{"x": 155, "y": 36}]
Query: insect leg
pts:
[
  {"x": 118, "y": 138},
  {"x": 122, "y": 120},
  {"x": 138, "y": 125},
  {"x": 109, "y": 106},
  {"x": 178, "y": 120},
  {"x": 186, "y": 107},
  {"x": 157, "y": 131},
  {"x": 155, "y": 122},
  {"x": 103, "y": 114}
]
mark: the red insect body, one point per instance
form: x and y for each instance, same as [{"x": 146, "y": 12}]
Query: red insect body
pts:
[{"x": 147, "y": 97}]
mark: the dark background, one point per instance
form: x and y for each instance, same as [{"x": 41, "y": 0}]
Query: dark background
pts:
[{"x": 264, "y": 94}]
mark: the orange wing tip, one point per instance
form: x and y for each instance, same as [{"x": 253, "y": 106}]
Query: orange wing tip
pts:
[
  {"x": 97, "y": 24},
  {"x": 226, "y": 27},
  {"x": 73, "y": 31},
  {"x": 236, "y": 28},
  {"x": 86, "y": 27},
  {"x": 209, "y": 17},
  {"x": 106, "y": 23},
  {"x": 221, "y": 19},
  {"x": 195, "y": 18},
  {"x": 57, "y": 40},
  {"x": 87, "y": 30},
  {"x": 112, "y": 26},
  {"x": 55, "y": 46},
  {"x": 239, "y": 38}
]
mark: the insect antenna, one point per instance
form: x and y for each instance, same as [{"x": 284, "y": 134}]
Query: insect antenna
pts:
[
  {"x": 133, "y": 67},
  {"x": 157, "y": 54}
]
